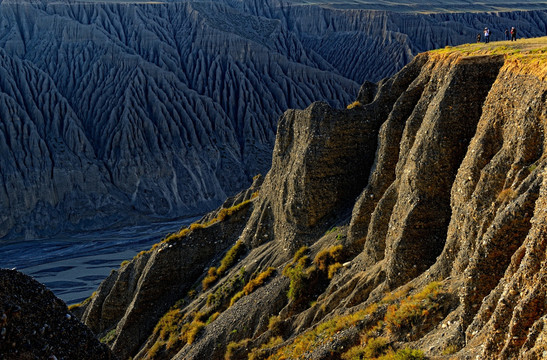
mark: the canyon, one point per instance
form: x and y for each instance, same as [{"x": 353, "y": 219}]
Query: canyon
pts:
[
  {"x": 402, "y": 208},
  {"x": 117, "y": 113}
]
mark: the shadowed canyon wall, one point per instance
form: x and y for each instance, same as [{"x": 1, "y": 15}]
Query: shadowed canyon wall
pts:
[{"x": 116, "y": 113}]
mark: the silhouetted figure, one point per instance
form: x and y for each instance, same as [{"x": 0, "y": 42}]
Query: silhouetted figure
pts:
[
  {"x": 479, "y": 37},
  {"x": 506, "y": 34},
  {"x": 513, "y": 34},
  {"x": 486, "y": 35}
]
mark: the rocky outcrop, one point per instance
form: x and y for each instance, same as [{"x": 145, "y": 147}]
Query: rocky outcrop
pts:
[
  {"x": 118, "y": 113},
  {"x": 34, "y": 324},
  {"x": 434, "y": 186},
  {"x": 482, "y": 242}
]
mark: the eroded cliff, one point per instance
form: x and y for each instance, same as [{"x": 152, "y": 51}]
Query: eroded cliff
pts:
[{"x": 414, "y": 221}]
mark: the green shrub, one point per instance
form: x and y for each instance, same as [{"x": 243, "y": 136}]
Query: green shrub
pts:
[
  {"x": 331, "y": 230},
  {"x": 253, "y": 284},
  {"x": 220, "y": 299},
  {"x": 213, "y": 274},
  {"x": 109, "y": 337},
  {"x": 295, "y": 272},
  {"x": 299, "y": 274}
]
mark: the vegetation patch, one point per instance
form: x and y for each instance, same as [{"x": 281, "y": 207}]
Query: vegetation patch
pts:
[
  {"x": 306, "y": 278},
  {"x": 253, "y": 284},
  {"x": 220, "y": 299},
  {"x": 328, "y": 260},
  {"x": 404, "y": 354},
  {"x": 227, "y": 262},
  {"x": 236, "y": 350},
  {"x": 320, "y": 335},
  {"x": 264, "y": 350},
  {"x": 83, "y": 303},
  {"x": 525, "y": 53},
  {"x": 414, "y": 309},
  {"x": 380, "y": 349},
  {"x": 299, "y": 273},
  {"x": 354, "y": 105},
  {"x": 371, "y": 349},
  {"x": 183, "y": 232},
  {"x": 175, "y": 329},
  {"x": 450, "y": 349},
  {"x": 275, "y": 325},
  {"x": 380, "y": 325},
  {"x": 109, "y": 337}
]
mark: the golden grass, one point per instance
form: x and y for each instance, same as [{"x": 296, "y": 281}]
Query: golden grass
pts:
[
  {"x": 182, "y": 233},
  {"x": 401, "y": 313},
  {"x": 412, "y": 309},
  {"x": 354, "y": 105},
  {"x": 83, "y": 303},
  {"x": 527, "y": 56},
  {"x": 260, "y": 353},
  {"x": 321, "y": 334},
  {"x": 328, "y": 256}
]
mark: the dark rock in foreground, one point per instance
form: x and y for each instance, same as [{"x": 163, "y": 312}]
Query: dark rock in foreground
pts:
[{"x": 34, "y": 324}]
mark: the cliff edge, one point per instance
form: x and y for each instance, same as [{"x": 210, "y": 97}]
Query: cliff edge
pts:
[{"x": 413, "y": 222}]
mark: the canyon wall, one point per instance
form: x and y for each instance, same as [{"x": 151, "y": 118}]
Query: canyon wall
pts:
[{"x": 415, "y": 219}]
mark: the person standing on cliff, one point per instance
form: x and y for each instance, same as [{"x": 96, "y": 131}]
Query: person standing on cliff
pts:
[
  {"x": 506, "y": 34},
  {"x": 513, "y": 34},
  {"x": 486, "y": 35},
  {"x": 479, "y": 37}
]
